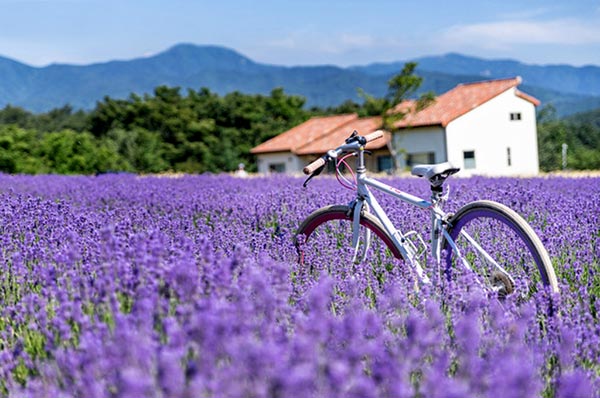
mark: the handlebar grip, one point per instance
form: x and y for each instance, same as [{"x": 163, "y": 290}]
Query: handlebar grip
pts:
[
  {"x": 313, "y": 166},
  {"x": 374, "y": 135}
]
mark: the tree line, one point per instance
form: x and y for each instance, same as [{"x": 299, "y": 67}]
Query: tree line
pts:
[
  {"x": 201, "y": 131},
  {"x": 580, "y": 133}
]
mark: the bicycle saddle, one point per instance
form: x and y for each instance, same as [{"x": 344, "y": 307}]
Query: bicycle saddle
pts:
[{"x": 435, "y": 173}]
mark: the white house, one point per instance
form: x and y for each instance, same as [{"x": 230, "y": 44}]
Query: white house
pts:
[{"x": 485, "y": 128}]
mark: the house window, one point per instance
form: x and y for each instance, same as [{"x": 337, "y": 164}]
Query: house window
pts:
[
  {"x": 420, "y": 158},
  {"x": 508, "y": 157},
  {"x": 277, "y": 168},
  {"x": 384, "y": 163},
  {"x": 469, "y": 159},
  {"x": 515, "y": 116}
]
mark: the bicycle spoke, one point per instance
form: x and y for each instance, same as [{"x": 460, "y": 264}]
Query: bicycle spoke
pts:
[{"x": 498, "y": 248}]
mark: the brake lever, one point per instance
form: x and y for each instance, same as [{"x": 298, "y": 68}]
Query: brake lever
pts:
[
  {"x": 316, "y": 173},
  {"x": 351, "y": 138}
]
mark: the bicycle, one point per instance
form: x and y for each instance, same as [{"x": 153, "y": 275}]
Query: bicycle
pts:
[{"x": 483, "y": 237}]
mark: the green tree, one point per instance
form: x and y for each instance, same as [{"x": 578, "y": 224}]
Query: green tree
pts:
[
  {"x": 15, "y": 115},
  {"x": 18, "y": 150},
  {"x": 552, "y": 133},
  {"x": 402, "y": 87},
  {"x": 70, "y": 152},
  {"x": 141, "y": 150}
]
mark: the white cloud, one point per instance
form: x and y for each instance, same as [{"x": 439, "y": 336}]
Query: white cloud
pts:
[{"x": 503, "y": 34}]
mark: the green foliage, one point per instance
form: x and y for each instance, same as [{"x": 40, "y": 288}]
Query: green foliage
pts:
[
  {"x": 19, "y": 150},
  {"x": 62, "y": 152},
  {"x": 373, "y": 106},
  {"x": 551, "y": 135},
  {"x": 166, "y": 131},
  {"x": 195, "y": 133},
  {"x": 54, "y": 120},
  {"x": 143, "y": 150},
  {"x": 401, "y": 87},
  {"x": 581, "y": 134},
  {"x": 70, "y": 152},
  {"x": 404, "y": 84}
]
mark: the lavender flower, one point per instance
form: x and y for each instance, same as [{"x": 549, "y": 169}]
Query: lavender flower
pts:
[{"x": 120, "y": 285}]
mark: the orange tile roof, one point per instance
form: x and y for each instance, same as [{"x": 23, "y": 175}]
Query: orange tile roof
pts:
[
  {"x": 458, "y": 101},
  {"x": 303, "y": 134},
  {"x": 336, "y": 137}
]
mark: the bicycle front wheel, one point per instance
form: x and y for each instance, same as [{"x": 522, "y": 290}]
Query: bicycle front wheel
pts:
[
  {"x": 500, "y": 248},
  {"x": 324, "y": 239}
]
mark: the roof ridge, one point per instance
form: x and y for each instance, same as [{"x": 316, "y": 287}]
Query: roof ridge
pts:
[{"x": 517, "y": 78}]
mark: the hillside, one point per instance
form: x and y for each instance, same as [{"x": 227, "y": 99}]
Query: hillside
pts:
[
  {"x": 561, "y": 78},
  {"x": 224, "y": 70}
]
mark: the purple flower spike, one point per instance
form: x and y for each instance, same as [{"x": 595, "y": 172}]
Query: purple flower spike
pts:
[{"x": 139, "y": 286}]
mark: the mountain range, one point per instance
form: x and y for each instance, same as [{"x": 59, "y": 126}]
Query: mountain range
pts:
[{"x": 570, "y": 89}]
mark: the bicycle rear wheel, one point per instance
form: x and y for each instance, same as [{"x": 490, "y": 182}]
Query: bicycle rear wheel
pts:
[
  {"x": 324, "y": 240},
  {"x": 500, "y": 248}
]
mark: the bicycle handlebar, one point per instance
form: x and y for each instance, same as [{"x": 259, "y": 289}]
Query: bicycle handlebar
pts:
[
  {"x": 314, "y": 165},
  {"x": 320, "y": 162},
  {"x": 374, "y": 135}
]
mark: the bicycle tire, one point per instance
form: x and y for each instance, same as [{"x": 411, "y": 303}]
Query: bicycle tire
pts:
[
  {"x": 343, "y": 214},
  {"x": 487, "y": 222}
]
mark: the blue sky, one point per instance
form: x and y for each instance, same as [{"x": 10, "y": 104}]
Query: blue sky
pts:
[{"x": 306, "y": 32}]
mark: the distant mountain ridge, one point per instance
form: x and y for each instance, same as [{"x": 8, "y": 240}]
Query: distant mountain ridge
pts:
[
  {"x": 224, "y": 70},
  {"x": 583, "y": 80}
]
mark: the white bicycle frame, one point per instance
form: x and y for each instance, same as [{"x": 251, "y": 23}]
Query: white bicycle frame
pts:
[
  {"x": 399, "y": 239},
  {"x": 366, "y": 202}
]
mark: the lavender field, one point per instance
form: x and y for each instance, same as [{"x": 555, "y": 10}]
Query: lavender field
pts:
[{"x": 126, "y": 286}]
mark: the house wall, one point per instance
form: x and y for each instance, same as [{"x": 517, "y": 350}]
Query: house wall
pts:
[
  {"x": 290, "y": 162},
  {"x": 488, "y": 131},
  {"x": 371, "y": 161},
  {"x": 419, "y": 141}
]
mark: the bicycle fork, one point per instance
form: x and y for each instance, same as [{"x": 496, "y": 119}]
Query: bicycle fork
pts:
[{"x": 357, "y": 209}]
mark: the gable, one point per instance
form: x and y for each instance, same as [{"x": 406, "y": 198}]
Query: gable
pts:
[{"x": 459, "y": 101}]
